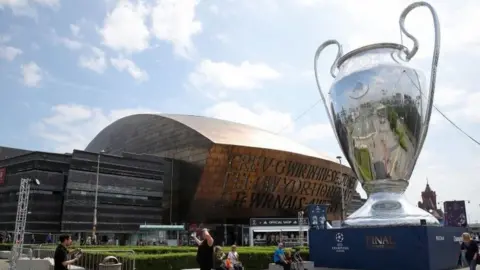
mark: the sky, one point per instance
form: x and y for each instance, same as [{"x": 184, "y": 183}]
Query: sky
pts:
[{"x": 70, "y": 68}]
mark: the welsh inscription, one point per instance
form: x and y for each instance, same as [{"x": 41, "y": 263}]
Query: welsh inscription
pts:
[{"x": 266, "y": 182}]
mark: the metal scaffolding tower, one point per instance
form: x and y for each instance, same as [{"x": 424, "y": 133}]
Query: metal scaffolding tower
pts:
[{"x": 21, "y": 221}]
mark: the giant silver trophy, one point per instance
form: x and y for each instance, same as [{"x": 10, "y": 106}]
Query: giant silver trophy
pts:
[{"x": 380, "y": 111}]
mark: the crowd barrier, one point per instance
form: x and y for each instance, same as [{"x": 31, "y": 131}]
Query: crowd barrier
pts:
[{"x": 37, "y": 258}]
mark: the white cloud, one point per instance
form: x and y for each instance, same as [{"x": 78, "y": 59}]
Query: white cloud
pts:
[
  {"x": 308, "y": 3},
  {"x": 214, "y": 9},
  {"x": 13, "y": 3},
  {"x": 278, "y": 122},
  {"x": 27, "y": 7},
  {"x": 9, "y": 53},
  {"x": 73, "y": 126},
  {"x": 94, "y": 61},
  {"x": 35, "y": 46},
  {"x": 222, "y": 76},
  {"x": 49, "y": 3},
  {"x": 459, "y": 106},
  {"x": 458, "y": 24},
  {"x": 122, "y": 64},
  {"x": 124, "y": 28},
  {"x": 174, "y": 21},
  {"x": 222, "y": 38},
  {"x": 471, "y": 108},
  {"x": 5, "y": 38},
  {"x": 32, "y": 74},
  {"x": 447, "y": 96},
  {"x": 75, "y": 29},
  {"x": 315, "y": 132},
  {"x": 71, "y": 44},
  {"x": 259, "y": 116}
]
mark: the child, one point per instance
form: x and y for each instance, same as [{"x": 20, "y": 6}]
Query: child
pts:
[{"x": 288, "y": 256}]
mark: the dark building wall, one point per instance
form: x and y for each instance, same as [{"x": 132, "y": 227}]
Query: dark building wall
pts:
[
  {"x": 153, "y": 135},
  {"x": 131, "y": 190},
  {"x": 8, "y": 152},
  {"x": 130, "y": 193},
  {"x": 45, "y": 201}
]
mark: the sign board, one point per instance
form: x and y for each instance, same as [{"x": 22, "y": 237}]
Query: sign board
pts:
[
  {"x": 455, "y": 214},
  {"x": 317, "y": 216},
  {"x": 256, "y": 222},
  {"x": 380, "y": 248}
]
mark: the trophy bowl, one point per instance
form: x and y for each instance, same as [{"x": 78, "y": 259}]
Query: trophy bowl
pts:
[{"x": 380, "y": 110}]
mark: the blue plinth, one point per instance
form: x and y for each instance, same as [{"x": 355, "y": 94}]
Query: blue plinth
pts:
[{"x": 392, "y": 248}]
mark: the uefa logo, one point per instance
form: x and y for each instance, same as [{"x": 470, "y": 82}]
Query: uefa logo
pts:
[
  {"x": 340, "y": 247},
  {"x": 339, "y": 237}
]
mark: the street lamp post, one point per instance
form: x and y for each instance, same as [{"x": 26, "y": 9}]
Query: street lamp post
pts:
[
  {"x": 94, "y": 230},
  {"x": 342, "y": 188},
  {"x": 300, "y": 227}
]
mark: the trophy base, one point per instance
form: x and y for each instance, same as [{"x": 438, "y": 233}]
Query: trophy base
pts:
[{"x": 389, "y": 209}]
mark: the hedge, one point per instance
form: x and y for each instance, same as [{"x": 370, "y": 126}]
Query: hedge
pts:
[
  {"x": 170, "y": 258},
  {"x": 136, "y": 249},
  {"x": 252, "y": 260}
]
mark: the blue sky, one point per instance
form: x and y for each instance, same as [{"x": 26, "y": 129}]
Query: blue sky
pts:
[{"x": 69, "y": 68}]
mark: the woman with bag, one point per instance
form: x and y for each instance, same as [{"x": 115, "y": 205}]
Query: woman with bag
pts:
[
  {"x": 471, "y": 251},
  {"x": 234, "y": 259}
]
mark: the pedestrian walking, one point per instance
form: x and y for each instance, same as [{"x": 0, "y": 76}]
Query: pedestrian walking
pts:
[
  {"x": 205, "y": 252},
  {"x": 60, "y": 258}
]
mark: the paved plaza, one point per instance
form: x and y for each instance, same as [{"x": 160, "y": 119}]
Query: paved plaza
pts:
[{"x": 4, "y": 266}]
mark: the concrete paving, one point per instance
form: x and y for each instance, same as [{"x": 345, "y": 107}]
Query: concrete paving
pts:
[{"x": 3, "y": 265}]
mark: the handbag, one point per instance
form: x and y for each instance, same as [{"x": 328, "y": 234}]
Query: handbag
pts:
[{"x": 228, "y": 263}]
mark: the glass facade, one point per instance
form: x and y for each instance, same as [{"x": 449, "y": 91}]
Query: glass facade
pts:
[
  {"x": 45, "y": 201},
  {"x": 130, "y": 192}
]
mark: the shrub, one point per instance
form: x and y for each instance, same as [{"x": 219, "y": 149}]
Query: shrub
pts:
[
  {"x": 254, "y": 259},
  {"x": 152, "y": 257}
]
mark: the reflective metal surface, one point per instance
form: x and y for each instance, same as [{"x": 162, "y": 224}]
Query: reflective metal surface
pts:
[
  {"x": 227, "y": 132},
  {"x": 144, "y": 132},
  {"x": 380, "y": 110}
]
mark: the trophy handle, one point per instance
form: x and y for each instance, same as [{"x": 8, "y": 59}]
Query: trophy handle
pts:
[
  {"x": 436, "y": 55},
  {"x": 332, "y": 71}
]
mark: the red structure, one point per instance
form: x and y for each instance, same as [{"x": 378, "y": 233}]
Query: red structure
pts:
[{"x": 429, "y": 202}]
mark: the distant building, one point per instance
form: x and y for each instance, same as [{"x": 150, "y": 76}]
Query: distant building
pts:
[{"x": 429, "y": 203}]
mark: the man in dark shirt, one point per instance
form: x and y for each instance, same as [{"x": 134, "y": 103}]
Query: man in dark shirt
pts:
[
  {"x": 61, "y": 254},
  {"x": 205, "y": 250}
]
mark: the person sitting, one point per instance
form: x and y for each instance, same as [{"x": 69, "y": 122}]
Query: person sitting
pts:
[
  {"x": 297, "y": 262},
  {"x": 288, "y": 256},
  {"x": 234, "y": 259},
  {"x": 279, "y": 257},
  {"x": 219, "y": 259}
]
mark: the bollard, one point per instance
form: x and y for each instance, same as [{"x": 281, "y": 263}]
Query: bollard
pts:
[{"x": 110, "y": 263}]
